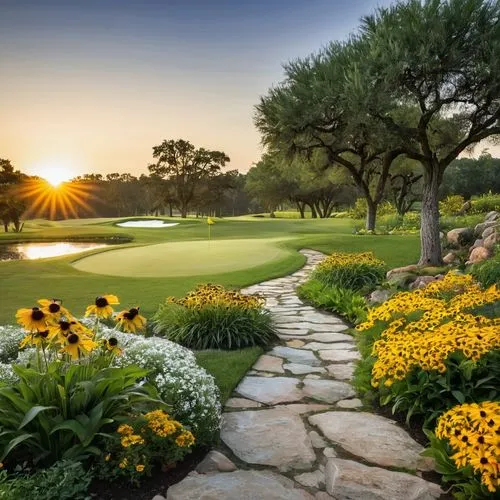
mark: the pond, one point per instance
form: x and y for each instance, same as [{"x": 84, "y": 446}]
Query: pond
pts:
[
  {"x": 29, "y": 251},
  {"x": 147, "y": 223}
]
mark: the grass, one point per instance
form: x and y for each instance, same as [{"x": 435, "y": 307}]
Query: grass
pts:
[
  {"x": 23, "y": 282},
  {"x": 228, "y": 367}
]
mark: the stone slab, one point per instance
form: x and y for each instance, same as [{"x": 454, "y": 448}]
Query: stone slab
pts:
[
  {"x": 331, "y": 337},
  {"x": 268, "y": 363},
  {"x": 322, "y": 346},
  {"x": 242, "y": 403},
  {"x": 300, "y": 356},
  {"x": 339, "y": 355},
  {"x": 329, "y": 391},
  {"x": 299, "y": 369},
  {"x": 341, "y": 371},
  {"x": 270, "y": 390}
]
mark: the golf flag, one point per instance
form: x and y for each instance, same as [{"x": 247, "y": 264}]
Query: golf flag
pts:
[{"x": 210, "y": 221}]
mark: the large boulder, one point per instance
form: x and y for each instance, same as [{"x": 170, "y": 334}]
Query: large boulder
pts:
[
  {"x": 450, "y": 258},
  {"x": 478, "y": 255},
  {"x": 423, "y": 281},
  {"x": 405, "y": 269},
  {"x": 479, "y": 229},
  {"x": 378, "y": 296},
  {"x": 460, "y": 236},
  {"x": 477, "y": 243},
  {"x": 491, "y": 241},
  {"x": 493, "y": 215},
  {"x": 488, "y": 231}
]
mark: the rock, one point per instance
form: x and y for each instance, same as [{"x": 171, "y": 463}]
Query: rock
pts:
[
  {"x": 339, "y": 355},
  {"x": 341, "y": 372},
  {"x": 405, "y": 269},
  {"x": 378, "y": 296},
  {"x": 479, "y": 229},
  {"x": 488, "y": 231},
  {"x": 298, "y": 369},
  {"x": 401, "y": 280},
  {"x": 269, "y": 364},
  {"x": 350, "y": 403},
  {"x": 300, "y": 409},
  {"x": 270, "y": 390},
  {"x": 321, "y": 495},
  {"x": 347, "y": 480},
  {"x": 316, "y": 440},
  {"x": 450, "y": 258},
  {"x": 460, "y": 236},
  {"x": 295, "y": 343},
  {"x": 296, "y": 355},
  {"x": 477, "y": 243},
  {"x": 242, "y": 403},
  {"x": 491, "y": 241},
  {"x": 315, "y": 327},
  {"x": 215, "y": 462},
  {"x": 159, "y": 497},
  {"x": 329, "y": 391},
  {"x": 314, "y": 479},
  {"x": 241, "y": 484},
  {"x": 374, "y": 438},
  {"x": 478, "y": 255},
  {"x": 422, "y": 281},
  {"x": 491, "y": 216},
  {"x": 322, "y": 346},
  {"x": 275, "y": 437},
  {"x": 330, "y": 337},
  {"x": 329, "y": 453}
]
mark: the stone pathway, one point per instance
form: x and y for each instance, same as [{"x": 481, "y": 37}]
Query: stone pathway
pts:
[{"x": 295, "y": 428}]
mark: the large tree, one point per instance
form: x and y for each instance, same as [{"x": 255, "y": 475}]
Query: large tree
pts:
[
  {"x": 11, "y": 204},
  {"x": 187, "y": 167},
  {"x": 439, "y": 59}
]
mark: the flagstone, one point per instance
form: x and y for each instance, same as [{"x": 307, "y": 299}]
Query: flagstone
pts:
[
  {"x": 341, "y": 371},
  {"x": 269, "y": 364},
  {"x": 322, "y": 346},
  {"x": 242, "y": 403},
  {"x": 339, "y": 355},
  {"x": 329, "y": 391},
  {"x": 300, "y": 369},
  {"x": 296, "y": 355},
  {"x": 270, "y": 390},
  {"x": 331, "y": 337}
]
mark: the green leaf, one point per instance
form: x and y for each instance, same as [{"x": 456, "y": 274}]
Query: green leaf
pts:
[
  {"x": 459, "y": 396},
  {"x": 13, "y": 443},
  {"x": 33, "y": 412}
]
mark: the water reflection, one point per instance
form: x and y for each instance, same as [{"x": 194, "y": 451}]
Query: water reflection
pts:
[{"x": 32, "y": 251}]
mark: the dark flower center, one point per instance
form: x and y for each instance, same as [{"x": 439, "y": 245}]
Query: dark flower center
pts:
[
  {"x": 73, "y": 338},
  {"x": 465, "y": 439},
  {"x": 132, "y": 313},
  {"x": 491, "y": 423},
  {"x": 482, "y": 413},
  {"x": 484, "y": 460},
  {"x": 53, "y": 308},
  {"x": 36, "y": 314},
  {"x": 101, "y": 302},
  {"x": 44, "y": 334},
  {"x": 64, "y": 325},
  {"x": 113, "y": 342},
  {"x": 480, "y": 439}
]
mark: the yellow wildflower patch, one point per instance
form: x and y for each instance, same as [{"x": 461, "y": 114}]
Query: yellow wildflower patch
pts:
[{"x": 340, "y": 259}]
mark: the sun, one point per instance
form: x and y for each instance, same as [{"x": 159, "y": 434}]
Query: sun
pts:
[{"x": 55, "y": 176}]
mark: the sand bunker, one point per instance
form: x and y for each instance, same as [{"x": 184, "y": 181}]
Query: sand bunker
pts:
[{"x": 147, "y": 223}]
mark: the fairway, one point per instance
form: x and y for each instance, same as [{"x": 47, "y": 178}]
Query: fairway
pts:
[{"x": 184, "y": 258}]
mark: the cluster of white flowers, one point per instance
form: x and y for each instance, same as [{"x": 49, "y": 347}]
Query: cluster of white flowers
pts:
[
  {"x": 10, "y": 337},
  {"x": 190, "y": 390}
]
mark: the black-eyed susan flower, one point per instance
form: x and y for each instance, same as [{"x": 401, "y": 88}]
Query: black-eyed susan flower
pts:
[
  {"x": 139, "y": 468},
  {"x": 112, "y": 346},
  {"x": 102, "y": 306},
  {"x": 53, "y": 308},
  {"x": 77, "y": 344},
  {"x": 131, "y": 321},
  {"x": 61, "y": 330},
  {"x": 32, "y": 319},
  {"x": 38, "y": 338}
]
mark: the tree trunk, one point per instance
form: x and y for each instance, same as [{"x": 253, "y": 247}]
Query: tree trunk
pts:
[
  {"x": 184, "y": 212},
  {"x": 430, "y": 242},
  {"x": 6, "y": 227},
  {"x": 301, "y": 206},
  {"x": 314, "y": 214},
  {"x": 371, "y": 214}
]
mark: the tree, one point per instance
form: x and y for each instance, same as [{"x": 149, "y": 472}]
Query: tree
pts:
[
  {"x": 441, "y": 60},
  {"x": 187, "y": 167},
  {"x": 11, "y": 205},
  {"x": 405, "y": 184},
  {"x": 313, "y": 110}
]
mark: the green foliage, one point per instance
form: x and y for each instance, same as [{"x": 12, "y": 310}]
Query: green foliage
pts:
[
  {"x": 64, "y": 412},
  {"x": 397, "y": 224},
  {"x": 488, "y": 271},
  {"x": 360, "y": 209},
  {"x": 486, "y": 203},
  {"x": 345, "y": 302},
  {"x": 465, "y": 484},
  {"x": 214, "y": 327},
  {"x": 447, "y": 223},
  {"x": 64, "y": 480},
  {"x": 451, "y": 205}
]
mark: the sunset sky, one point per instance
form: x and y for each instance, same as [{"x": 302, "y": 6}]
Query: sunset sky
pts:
[{"x": 91, "y": 86}]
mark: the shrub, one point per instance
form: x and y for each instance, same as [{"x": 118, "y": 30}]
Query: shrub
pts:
[
  {"x": 465, "y": 447},
  {"x": 360, "y": 209},
  {"x": 347, "y": 303},
  {"x": 447, "y": 223},
  {"x": 451, "y": 205},
  {"x": 64, "y": 480},
  {"x": 431, "y": 350},
  {"x": 488, "y": 271},
  {"x": 10, "y": 336},
  {"x": 486, "y": 203},
  {"x": 211, "y": 317},
  {"x": 143, "y": 442},
  {"x": 172, "y": 369},
  {"x": 354, "y": 271}
]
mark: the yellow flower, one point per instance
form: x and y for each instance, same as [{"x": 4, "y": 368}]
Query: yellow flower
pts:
[
  {"x": 32, "y": 319},
  {"x": 125, "y": 430},
  {"x": 123, "y": 463},
  {"x": 63, "y": 328},
  {"x": 131, "y": 440},
  {"x": 131, "y": 321},
  {"x": 107, "y": 457},
  {"x": 139, "y": 467},
  {"x": 54, "y": 308},
  {"x": 39, "y": 338},
  {"x": 112, "y": 346},
  {"x": 185, "y": 439},
  {"x": 77, "y": 345},
  {"x": 102, "y": 306}
]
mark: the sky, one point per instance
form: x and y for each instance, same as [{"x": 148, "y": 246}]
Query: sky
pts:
[{"x": 93, "y": 85}]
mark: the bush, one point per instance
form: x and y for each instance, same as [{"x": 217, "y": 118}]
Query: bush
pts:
[
  {"x": 360, "y": 209},
  {"x": 65, "y": 480},
  {"x": 10, "y": 336},
  {"x": 486, "y": 203},
  {"x": 342, "y": 301},
  {"x": 354, "y": 271},
  {"x": 447, "y": 223},
  {"x": 488, "y": 271},
  {"x": 451, "y": 205},
  {"x": 431, "y": 349},
  {"x": 211, "y": 317},
  {"x": 172, "y": 369},
  {"x": 465, "y": 447}
]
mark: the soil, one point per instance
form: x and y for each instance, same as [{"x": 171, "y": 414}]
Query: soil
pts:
[{"x": 157, "y": 484}]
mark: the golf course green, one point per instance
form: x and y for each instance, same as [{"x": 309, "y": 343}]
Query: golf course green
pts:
[{"x": 184, "y": 258}]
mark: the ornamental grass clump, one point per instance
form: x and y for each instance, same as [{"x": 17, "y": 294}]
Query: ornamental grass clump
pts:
[
  {"x": 434, "y": 347},
  {"x": 353, "y": 271},
  {"x": 211, "y": 317},
  {"x": 466, "y": 447}
]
